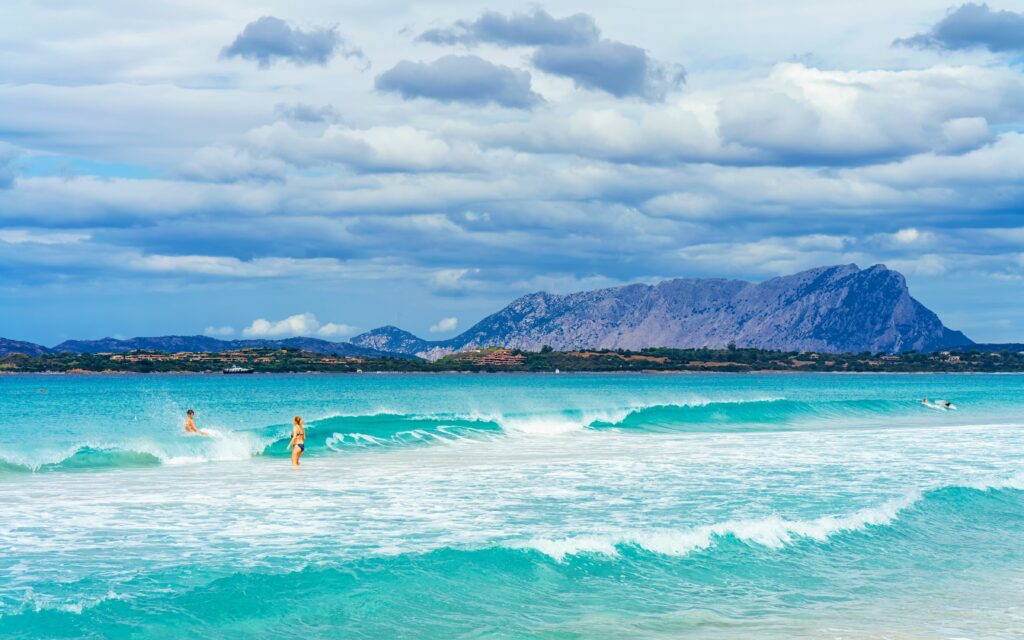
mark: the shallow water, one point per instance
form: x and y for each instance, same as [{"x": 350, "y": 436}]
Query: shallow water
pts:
[{"x": 569, "y": 506}]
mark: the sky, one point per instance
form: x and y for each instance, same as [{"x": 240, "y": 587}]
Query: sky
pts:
[{"x": 267, "y": 169}]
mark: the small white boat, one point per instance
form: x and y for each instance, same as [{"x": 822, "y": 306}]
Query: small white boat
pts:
[{"x": 237, "y": 369}]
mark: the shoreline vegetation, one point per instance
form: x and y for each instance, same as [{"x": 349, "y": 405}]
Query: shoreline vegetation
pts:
[{"x": 495, "y": 360}]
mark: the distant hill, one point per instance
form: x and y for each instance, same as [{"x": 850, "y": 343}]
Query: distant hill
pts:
[
  {"x": 177, "y": 344},
  {"x": 391, "y": 338},
  {"x": 829, "y": 309},
  {"x": 8, "y": 347}
]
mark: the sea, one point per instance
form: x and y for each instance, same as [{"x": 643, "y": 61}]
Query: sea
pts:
[{"x": 513, "y": 506}]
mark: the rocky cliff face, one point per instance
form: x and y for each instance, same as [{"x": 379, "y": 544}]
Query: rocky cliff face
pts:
[{"x": 829, "y": 309}]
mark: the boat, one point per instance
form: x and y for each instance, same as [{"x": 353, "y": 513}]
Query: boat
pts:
[{"x": 237, "y": 369}]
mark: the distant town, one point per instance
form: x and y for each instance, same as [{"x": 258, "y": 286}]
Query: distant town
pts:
[{"x": 497, "y": 359}]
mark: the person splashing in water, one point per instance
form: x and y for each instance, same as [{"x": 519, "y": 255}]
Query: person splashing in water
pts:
[
  {"x": 190, "y": 424},
  {"x": 297, "y": 445}
]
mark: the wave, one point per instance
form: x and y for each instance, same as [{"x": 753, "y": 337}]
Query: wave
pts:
[
  {"x": 135, "y": 454},
  {"x": 772, "y": 532},
  {"x": 383, "y": 429},
  {"x": 905, "y": 545},
  {"x": 85, "y": 458},
  {"x": 386, "y": 429},
  {"x": 761, "y": 413}
]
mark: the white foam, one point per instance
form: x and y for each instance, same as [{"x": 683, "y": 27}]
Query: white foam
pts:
[
  {"x": 39, "y": 603},
  {"x": 569, "y": 420},
  {"x": 1015, "y": 481},
  {"x": 560, "y": 548},
  {"x": 772, "y": 532}
]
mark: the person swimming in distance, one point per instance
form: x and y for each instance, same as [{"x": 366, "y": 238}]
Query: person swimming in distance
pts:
[
  {"x": 190, "y": 424},
  {"x": 297, "y": 445}
]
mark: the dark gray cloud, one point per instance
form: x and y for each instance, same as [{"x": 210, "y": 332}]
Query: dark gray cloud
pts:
[
  {"x": 615, "y": 67},
  {"x": 570, "y": 47},
  {"x": 973, "y": 26},
  {"x": 521, "y": 29},
  {"x": 270, "y": 39},
  {"x": 460, "y": 79}
]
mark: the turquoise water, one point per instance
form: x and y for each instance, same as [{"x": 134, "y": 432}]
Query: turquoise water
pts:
[{"x": 508, "y": 506}]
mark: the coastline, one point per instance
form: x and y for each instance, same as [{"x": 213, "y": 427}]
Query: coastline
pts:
[
  {"x": 650, "y": 372},
  {"x": 660, "y": 361}
]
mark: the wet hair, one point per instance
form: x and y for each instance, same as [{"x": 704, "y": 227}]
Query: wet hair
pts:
[
  {"x": 297, "y": 420},
  {"x": 190, "y": 412}
]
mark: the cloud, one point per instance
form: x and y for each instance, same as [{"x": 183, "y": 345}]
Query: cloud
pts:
[
  {"x": 909, "y": 235},
  {"x": 224, "y": 164},
  {"x": 445, "y": 325},
  {"x": 767, "y": 256},
  {"x": 453, "y": 281},
  {"x": 468, "y": 78},
  {"x": 929, "y": 265},
  {"x": 301, "y": 112},
  {"x": 569, "y": 47},
  {"x": 270, "y": 39},
  {"x": 9, "y": 154},
  {"x": 229, "y": 266},
  {"x": 614, "y": 67},
  {"x": 300, "y": 324},
  {"x": 336, "y": 330},
  {"x": 537, "y": 28},
  {"x": 384, "y": 148},
  {"x": 802, "y": 115},
  {"x": 219, "y": 332},
  {"x": 23, "y": 236},
  {"x": 795, "y": 115},
  {"x": 972, "y": 26}
]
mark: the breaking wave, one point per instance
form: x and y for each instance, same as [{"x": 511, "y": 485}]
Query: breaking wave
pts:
[
  {"x": 383, "y": 429},
  {"x": 538, "y": 583}
]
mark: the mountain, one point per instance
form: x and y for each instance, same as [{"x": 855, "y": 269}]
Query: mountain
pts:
[
  {"x": 8, "y": 347},
  {"x": 395, "y": 340},
  {"x": 170, "y": 344},
  {"x": 829, "y": 309},
  {"x": 175, "y": 344}
]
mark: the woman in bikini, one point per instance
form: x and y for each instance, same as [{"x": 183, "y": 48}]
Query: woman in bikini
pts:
[{"x": 298, "y": 441}]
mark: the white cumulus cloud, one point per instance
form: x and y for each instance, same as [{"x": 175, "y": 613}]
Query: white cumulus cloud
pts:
[
  {"x": 300, "y": 324},
  {"x": 445, "y": 324},
  {"x": 336, "y": 330}
]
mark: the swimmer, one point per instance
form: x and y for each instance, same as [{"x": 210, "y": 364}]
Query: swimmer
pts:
[
  {"x": 190, "y": 424},
  {"x": 298, "y": 441}
]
